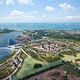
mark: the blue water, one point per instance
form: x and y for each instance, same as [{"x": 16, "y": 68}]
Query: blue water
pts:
[
  {"x": 4, "y": 42},
  {"x": 37, "y": 26},
  {"x": 4, "y": 38},
  {"x": 4, "y": 53}
]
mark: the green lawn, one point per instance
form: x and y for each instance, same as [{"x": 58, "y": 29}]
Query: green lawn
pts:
[
  {"x": 70, "y": 58},
  {"x": 28, "y": 69}
]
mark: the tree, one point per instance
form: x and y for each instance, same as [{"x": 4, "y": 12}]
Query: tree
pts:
[{"x": 37, "y": 65}]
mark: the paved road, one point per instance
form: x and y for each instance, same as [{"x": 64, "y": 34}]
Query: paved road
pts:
[{"x": 25, "y": 53}]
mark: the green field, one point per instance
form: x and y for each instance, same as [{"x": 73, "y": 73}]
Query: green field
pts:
[
  {"x": 70, "y": 58},
  {"x": 27, "y": 68}
]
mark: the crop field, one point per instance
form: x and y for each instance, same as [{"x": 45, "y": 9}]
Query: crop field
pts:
[{"x": 70, "y": 58}]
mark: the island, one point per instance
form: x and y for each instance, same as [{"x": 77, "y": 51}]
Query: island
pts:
[{"x": 6, "y": 30}]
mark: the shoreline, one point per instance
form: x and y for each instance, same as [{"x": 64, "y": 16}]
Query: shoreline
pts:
[{"x": 12, "y": 48}]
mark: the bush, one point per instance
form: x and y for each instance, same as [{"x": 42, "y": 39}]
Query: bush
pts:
[{"x": 37, "y": 65}]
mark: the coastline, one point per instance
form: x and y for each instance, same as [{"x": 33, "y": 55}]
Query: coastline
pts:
[{"x": 4, "y": 42}]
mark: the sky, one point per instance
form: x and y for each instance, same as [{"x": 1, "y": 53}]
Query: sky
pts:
[{"x": 25, "y": 11}]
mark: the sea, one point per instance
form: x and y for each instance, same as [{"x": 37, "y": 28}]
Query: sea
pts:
[
  {"x": 38, "y": 26},
  {"x": 4, "y": 38}
]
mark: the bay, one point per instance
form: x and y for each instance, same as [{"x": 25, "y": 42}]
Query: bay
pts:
[{"x": 4, "y": 42}]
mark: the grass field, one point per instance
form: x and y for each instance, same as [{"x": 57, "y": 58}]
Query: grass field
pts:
[
  {"x": 70, "y": 58},
  {"x": 28, "y": 69}
]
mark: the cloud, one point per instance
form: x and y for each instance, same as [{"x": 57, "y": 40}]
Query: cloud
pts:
[
  {"x": 31, "y": 18},
  {"x": 0, "y": 2},
  {"x": 49, "y": 8},
  {"x": 43, "y": 16},
  {"x": 9, "y": 2},
  {"x": 35, "y": 12},
  {"x": 68, "y": 17},
  {"x": 76, "y": 18},
  {"x": 29, "y": 2},
  {"x": 17, "y": 18},
  {"x": 20, "y": 14},
  {"x": 16, "y": 13},
  {"x": 66, "y": 6},
  {"x": 20, "y": 17}
]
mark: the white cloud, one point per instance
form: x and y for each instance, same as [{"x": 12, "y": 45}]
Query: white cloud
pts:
[
  {"x": 9, "y": 2},
  {"x": 66, "y": 6},
  {"x": 20, "y": 17},
  {"x": 43, "y": 16},
  {"x": 35, "y": 12},
  {"x": 69, "y": 17},
  {"x": 31, "y": 18},
  {"x": 29, "y": 2},
  {"x": 72, "y": 18},
  {"x": 12, "y": 19},
  {"x": 20, "y": 14},
  {"x": 0, "y": 2},
  {"x": 49, "y": 8},
  {"x": 23, "y": 18},
  {"x": 16, "y": 13}
]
